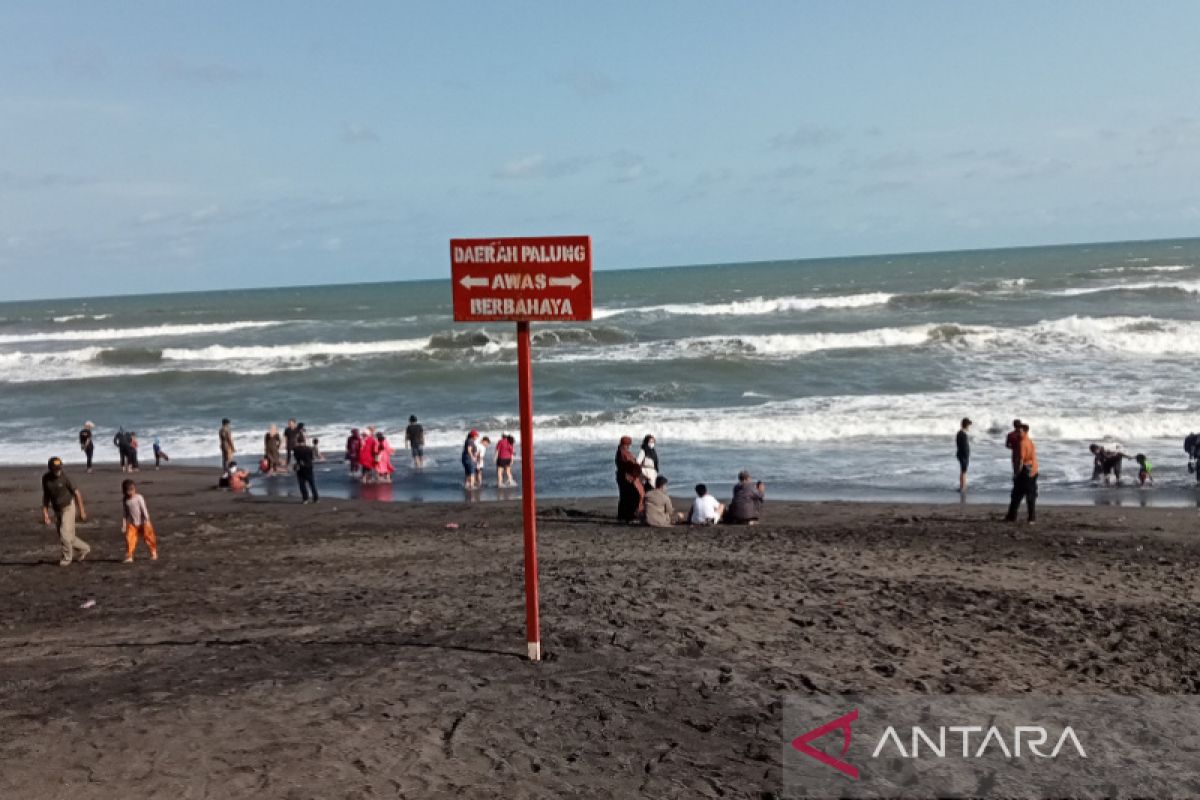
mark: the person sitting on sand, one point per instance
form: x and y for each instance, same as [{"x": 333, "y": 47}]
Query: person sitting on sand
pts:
[
  {"x": 1144, "y": 468},
  {"x": 706, "y": 510},
  {"x": 746, "y": 506},
  {"x": 632, "y": 496},
  {"x": 235, "y": 479},
  {"x": 659, "y": 511}
]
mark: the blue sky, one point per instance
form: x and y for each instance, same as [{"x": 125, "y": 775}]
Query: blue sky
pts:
[{"x": 159, "y": 146}]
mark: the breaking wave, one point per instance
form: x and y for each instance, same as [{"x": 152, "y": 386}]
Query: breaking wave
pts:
[
  {"x": 752, "y": 307},
  {"x": 109, "y": 334}
]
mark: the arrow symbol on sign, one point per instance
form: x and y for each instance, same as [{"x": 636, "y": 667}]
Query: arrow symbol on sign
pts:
[
  {"x": 571, "y": 280},
  {"x": 468, "y": 281}
]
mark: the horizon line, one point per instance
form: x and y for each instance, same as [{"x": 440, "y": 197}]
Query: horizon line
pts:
[{"x": 756, "y": 262}]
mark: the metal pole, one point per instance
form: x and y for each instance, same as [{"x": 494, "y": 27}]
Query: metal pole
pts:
[{"x": 533, "y": 635}]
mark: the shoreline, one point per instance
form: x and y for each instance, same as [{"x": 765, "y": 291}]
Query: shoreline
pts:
[{"x": 442, "y": 487}]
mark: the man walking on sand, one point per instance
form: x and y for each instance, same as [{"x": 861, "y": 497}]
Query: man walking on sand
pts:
[
  {"x": 962, "y": 445},
  {"x": 1025, "y": 478},
  {"x": 227, "y": 448},
  {"x": 59, "y": 494}
]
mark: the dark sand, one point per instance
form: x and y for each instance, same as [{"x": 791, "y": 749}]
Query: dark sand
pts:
[{"x": 362, "y": 650}]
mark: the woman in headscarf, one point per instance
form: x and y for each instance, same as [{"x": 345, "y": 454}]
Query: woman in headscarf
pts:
[
  {"x": 629, "y": 483},
  {"x": 271, "y": 444},
  {"x": 648, "y": 461}
]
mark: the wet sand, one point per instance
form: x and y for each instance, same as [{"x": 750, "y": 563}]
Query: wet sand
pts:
[{"x": 362, "y": 650}]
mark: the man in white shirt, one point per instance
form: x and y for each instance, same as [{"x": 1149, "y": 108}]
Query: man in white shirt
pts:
[{"x": 705, "y": 508}]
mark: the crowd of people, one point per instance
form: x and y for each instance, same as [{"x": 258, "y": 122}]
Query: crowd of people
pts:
[{"x": 643, "y": 497}]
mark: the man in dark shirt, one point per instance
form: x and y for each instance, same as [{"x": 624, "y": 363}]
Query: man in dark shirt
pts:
[
  {"x": 414, "y": 437},
  {"x": 746, "y": 505},
  {"x": 86, "y": 444},
  {"x": 289, "y": 438},
  {"x": 59, "y": 494},
  {"x": 962, "y": 446},
  {"x": 304, "y": 471},
  {"x": 1013, "y": 443}
]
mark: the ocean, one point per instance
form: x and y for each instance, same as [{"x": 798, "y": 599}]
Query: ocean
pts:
[{"x": 832, "y": 378}]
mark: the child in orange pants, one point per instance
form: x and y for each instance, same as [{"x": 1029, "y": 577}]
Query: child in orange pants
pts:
[{"x": 136, "y": 522}]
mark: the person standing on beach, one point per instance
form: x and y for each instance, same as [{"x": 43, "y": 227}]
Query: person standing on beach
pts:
[
  {"x": 962, "y": 445},
  {"x": 1013, "y": 443},
  {"x": 160, "y": 455},
  {"x": 414, "y": 439},
  {"x": 631, "y": 500},
  {"x": 1025, "y": 479},
  {"x": 227, "y": 448},
  {"x": 504, "y": 459},
  {"x": 86, "y": 444},
  {"x": 289, "y": 437},
  {"x": 119, "y": 443},
  {"x": 480, "y": 460},
  {"x": 366, "y": 456},
  {"x": 383, "y": 458},
  {"x": 271, "y": 444},
  {"x": 353, "y": 445},
  {"x": 470, "y": 460},
  {"x": 648, "y": 461},
  {"x": 131, "y": 451},
  {"x": 136, "y": 522},
  {"x": 61, "y": 496},
  {"x": 304, "y": 472}
]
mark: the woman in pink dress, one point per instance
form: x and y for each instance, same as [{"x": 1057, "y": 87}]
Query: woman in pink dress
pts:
[{"x": 383, "y": 458}]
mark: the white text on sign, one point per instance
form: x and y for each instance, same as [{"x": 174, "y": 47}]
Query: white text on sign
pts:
[
  {"x": 520, "y": 254},
  {"x": 521, "y": 307}
]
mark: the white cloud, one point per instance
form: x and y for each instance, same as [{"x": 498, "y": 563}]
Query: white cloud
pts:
[{"x": 357, "y": 133}]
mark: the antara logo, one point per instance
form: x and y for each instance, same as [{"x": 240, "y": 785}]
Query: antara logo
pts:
[{"x": 940, "y": 742}]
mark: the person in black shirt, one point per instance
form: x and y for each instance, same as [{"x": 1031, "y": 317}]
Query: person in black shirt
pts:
[
  {"x": 60, "y": 496},
  {"x": 86, "y": 444},
  {"x": 414, "y": 437},
  {"x": 289, "y": 439},
  {"x": 962, "y": 446},
  {"x": 304, "y": 470}
]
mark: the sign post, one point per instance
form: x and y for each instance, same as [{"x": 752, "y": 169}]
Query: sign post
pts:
[{"x": 524, "y": 280}]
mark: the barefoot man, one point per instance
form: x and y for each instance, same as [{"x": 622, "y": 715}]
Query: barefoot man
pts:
[{"x": 59, "y": 494}]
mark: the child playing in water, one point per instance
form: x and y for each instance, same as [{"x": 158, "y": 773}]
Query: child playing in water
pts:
[
  {"x": 1144, "y": 468},
  {"x": 136, "y": 522}
]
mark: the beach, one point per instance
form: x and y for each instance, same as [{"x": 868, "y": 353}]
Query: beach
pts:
[{"x": 355, "y": 649}]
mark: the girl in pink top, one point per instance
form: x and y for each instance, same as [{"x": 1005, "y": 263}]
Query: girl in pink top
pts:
[{"x": 383, "y": 458}]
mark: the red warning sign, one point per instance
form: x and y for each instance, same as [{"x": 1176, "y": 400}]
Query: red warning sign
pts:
[{"x": 522, "y": 279}]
